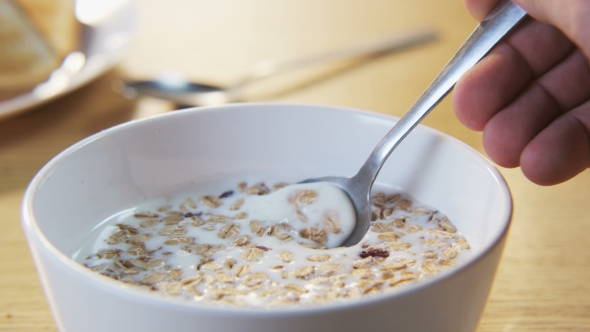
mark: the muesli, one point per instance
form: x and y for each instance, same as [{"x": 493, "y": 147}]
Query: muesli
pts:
[{"x": 218, "y": 248}]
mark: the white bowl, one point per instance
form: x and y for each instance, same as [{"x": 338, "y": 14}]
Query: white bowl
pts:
[{"x": 122, "y": 166}]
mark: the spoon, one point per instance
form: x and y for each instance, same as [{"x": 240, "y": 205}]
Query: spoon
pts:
[
  {"x": 358, "y": 187},
  {"x": 182, "y": 92}
]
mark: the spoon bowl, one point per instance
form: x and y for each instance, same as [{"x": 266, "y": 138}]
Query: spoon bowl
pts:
[
  {"x": 179, "y": 90},
  {"x": 358, "y": 187}
]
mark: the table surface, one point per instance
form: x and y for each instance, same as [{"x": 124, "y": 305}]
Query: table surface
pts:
[{"x": 543, "y": 280}]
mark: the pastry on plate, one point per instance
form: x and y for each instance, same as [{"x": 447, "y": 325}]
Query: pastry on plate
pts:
[{"x": 35, "y": 36}]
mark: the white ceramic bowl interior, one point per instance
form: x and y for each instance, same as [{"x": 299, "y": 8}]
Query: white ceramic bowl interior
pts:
[{"x": 120, "y": 167}]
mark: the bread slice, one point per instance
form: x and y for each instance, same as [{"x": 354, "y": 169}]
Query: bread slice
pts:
[
  {"x": 35, "y": 36},
  {"x": 56, "y": 21}
]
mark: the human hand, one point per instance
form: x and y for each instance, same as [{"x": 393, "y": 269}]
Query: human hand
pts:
[{"x": 531, "y": 95}]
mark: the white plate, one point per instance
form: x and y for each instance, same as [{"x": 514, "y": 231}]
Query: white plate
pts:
[{"x": 107, "y": 32}]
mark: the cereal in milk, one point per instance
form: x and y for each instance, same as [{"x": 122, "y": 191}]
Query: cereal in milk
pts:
[{"x": 261, "y": 246}]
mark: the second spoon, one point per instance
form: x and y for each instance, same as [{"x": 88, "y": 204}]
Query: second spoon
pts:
[{"x": 183, "y": 92}]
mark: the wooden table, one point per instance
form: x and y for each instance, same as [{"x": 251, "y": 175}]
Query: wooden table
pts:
[{"x": 543, "y": 280}]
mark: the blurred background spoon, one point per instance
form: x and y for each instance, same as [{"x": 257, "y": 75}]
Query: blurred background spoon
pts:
[{"x": 174, "y": 87}]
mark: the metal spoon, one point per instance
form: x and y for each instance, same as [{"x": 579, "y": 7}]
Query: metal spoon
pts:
[
  {"x": 175, "y": 88},
  {"x": 490, "y": 31}
]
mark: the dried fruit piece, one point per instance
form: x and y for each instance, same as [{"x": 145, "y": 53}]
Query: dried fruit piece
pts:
[
  {"x": 374, "y": 253},
  {"x": 226, "y": 194}
]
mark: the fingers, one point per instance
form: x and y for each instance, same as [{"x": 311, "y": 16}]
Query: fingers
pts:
[
  {"x": 490, "y": 86},
  {"x": 570, "y": 16},
  {"x": 531, "y": 50},
  {"x": 509, "y": 131},
  {"x": 560, "y": 151},
  {"x": 568, "y": 83},
  {"x": 480, "y": 8},
  {"x": 531, "y": 94}
]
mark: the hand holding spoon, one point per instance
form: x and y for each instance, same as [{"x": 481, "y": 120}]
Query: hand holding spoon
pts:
[{"x": 358, "y": 187}]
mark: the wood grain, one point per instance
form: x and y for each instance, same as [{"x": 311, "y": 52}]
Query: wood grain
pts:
[{"x": 542, "y": 283}]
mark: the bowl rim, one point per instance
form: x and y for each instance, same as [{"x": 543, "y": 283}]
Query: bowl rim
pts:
[{"x": 119, "y": 289}]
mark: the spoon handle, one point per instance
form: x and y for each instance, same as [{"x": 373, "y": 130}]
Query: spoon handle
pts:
[
  {"x": 489, "y": 32},
  {"x": 366, "y": 49}
]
